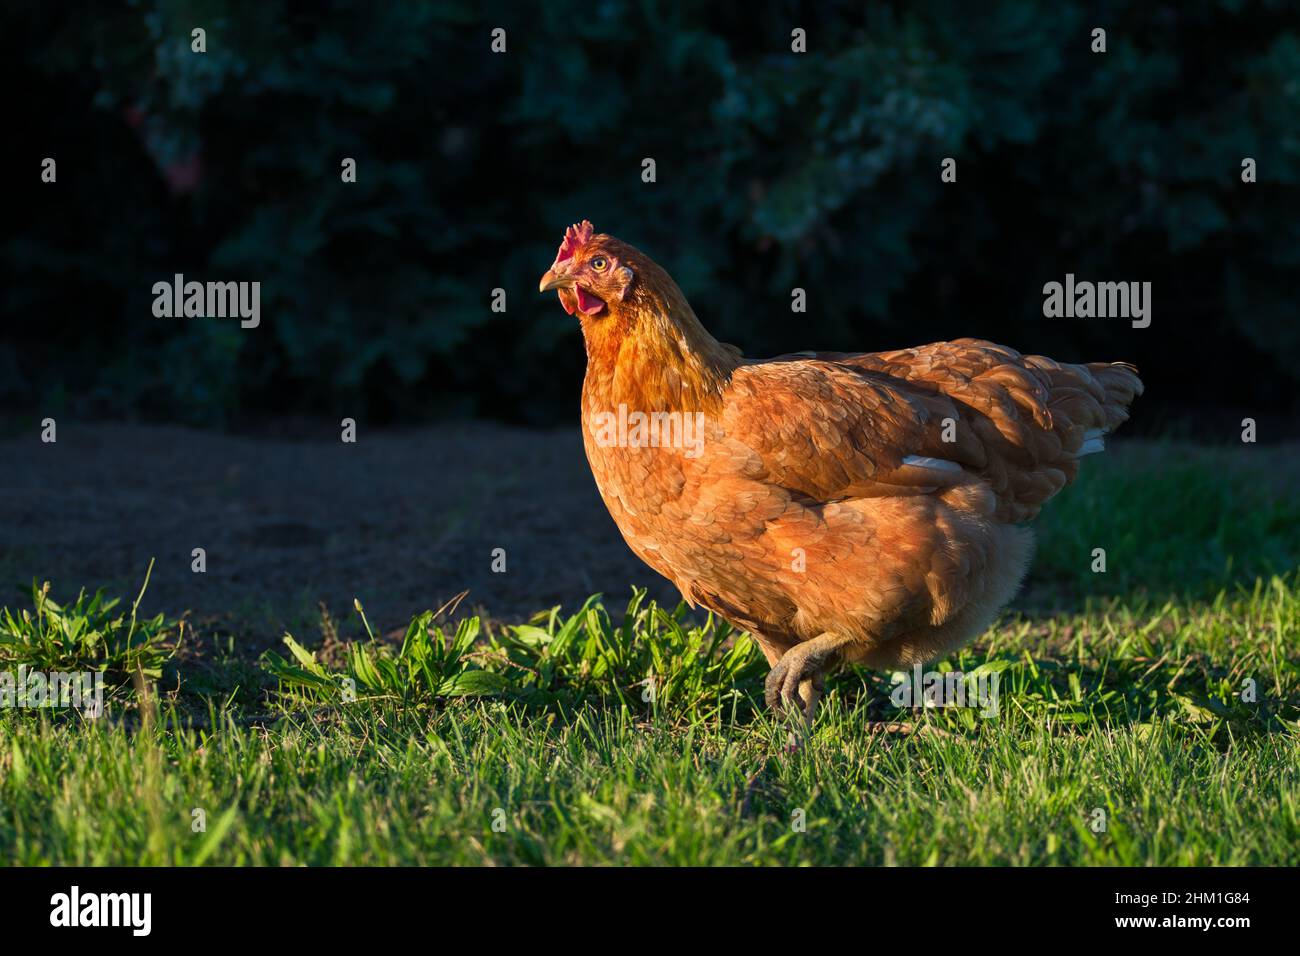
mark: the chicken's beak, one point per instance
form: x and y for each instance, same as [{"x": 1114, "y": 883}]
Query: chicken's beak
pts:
[{"x": 554, "y": 280}]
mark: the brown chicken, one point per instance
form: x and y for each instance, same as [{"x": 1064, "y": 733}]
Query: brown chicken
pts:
[{"x": 840, "y": 507}]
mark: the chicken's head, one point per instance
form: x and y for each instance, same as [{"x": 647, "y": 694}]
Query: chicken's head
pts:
[{"x": 588, "y": 272}]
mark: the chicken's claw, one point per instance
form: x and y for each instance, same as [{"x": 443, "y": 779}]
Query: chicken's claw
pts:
[{"x": 797, "y": 678}]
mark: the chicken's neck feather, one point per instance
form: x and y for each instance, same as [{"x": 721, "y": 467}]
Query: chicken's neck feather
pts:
[{"x": 651, "y": 353}]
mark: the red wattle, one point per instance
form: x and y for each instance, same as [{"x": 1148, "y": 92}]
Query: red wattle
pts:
[{"x": 588, "y": 303}]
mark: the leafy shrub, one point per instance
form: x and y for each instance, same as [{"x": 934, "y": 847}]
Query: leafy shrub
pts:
[
  {"x": 87, "y": 635},
  {"x": 430, "y": 664},
  {"x": 650, "y": 661}
]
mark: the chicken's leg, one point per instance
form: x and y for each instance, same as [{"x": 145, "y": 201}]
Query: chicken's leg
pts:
[{"x": 797, "y": 678}]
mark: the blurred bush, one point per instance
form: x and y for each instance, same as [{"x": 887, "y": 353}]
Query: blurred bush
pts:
[{"x": 775, "y": 170}]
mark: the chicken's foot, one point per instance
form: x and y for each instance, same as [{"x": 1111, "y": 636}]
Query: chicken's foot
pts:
[{"x": 798, "y": 680}]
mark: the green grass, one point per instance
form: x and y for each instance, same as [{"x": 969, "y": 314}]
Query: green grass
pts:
[
  {"x": 1172, "y": 519},
  {"x": 635, "y": 734}
]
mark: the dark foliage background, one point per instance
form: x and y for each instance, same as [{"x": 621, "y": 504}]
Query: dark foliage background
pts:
[{"x": 774, "y": 170}]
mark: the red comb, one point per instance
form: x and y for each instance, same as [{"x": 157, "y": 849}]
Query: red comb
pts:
[{"x": 575, "y": 237}]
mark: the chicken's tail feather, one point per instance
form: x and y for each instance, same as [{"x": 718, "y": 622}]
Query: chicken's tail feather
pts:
[{"x": 1120, "y": 383}]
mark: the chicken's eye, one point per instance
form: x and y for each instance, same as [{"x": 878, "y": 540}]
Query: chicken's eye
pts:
[{"x": 600, "y": 263}]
